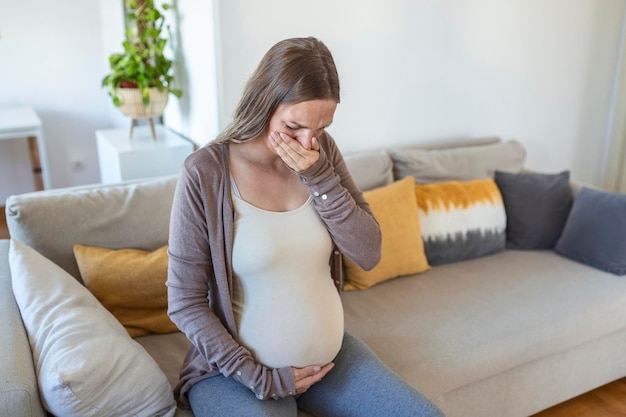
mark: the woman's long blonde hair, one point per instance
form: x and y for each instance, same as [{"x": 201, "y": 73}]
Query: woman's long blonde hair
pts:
[{"x": 292, "y": 71}]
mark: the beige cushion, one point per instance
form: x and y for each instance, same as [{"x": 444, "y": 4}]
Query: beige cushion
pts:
[
  {"x": 86, "y": 363},
  {"x": 458, "y": 164},
  {"x": 395, "y": 208},
  {"x": 130, "y": 215},
  {"x": 130, "y": 283}
]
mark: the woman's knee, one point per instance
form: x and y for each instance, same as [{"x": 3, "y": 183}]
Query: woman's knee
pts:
[
  {"x": 220, "y": 396},
  {"x": 369, "y": 386}
]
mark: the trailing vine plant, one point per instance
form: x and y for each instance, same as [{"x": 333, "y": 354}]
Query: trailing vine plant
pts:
[{"x": 143, "y": 64}]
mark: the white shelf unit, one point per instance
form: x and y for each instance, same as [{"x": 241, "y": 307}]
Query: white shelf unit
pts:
[{"x": 122, "y": 158}]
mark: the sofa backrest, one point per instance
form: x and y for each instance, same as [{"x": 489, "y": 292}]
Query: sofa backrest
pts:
[
  {"x": 127, "y": 215},
  {"x": 370, "y": 169},
  {"x": 136, "y": 214},
  {"x": 459, "y": 163},
  {"x": 459, "y": 160}
]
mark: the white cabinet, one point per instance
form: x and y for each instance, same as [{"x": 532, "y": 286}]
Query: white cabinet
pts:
[{"x": 123, "y": 159}]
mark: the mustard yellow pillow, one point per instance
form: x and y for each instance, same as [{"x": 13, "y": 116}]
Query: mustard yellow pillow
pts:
[
  {"x": 395, "y": 208},
  {"x": 130, "y": 283}
]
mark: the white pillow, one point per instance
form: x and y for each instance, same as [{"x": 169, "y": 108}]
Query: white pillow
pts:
[{"x": 86, "y": 363}]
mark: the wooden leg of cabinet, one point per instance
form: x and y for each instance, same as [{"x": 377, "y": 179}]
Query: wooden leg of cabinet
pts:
[{"x": 35, "y": 162}]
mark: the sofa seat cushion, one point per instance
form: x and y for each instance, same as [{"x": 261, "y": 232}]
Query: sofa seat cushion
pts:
[
  {"x": 168, "y": 350},
  {"x": 464, "y": 322}
]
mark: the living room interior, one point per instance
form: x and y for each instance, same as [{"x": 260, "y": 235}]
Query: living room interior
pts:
[{"x": 549, "y": 74}]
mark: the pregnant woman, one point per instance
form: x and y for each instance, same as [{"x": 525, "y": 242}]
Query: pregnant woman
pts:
[{"x": 260, "y": 220}]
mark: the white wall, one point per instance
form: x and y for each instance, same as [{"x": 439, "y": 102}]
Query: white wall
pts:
[
  {"x": 52, "y": 58},
  {"x": 539, "y": 71},
  {"x": 193, "y": 46}
]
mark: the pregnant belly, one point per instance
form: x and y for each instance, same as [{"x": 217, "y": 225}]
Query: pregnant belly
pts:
[{"x": 287, "y": 328}]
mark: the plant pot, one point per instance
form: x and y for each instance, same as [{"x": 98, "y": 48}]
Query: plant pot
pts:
[{"x": 133, "y": 107}]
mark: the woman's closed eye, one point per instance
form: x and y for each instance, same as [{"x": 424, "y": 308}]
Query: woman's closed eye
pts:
[{"x": 316, "y": 133}]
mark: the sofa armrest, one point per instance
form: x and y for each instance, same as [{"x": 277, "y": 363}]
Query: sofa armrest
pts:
[{"x": 19, "y": 394}]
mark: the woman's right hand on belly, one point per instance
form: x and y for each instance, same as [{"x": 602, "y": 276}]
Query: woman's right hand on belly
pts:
[{"x": 306, "y": 377}]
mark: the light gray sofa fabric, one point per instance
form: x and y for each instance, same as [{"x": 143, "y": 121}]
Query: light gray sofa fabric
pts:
[
  {"x": 488, "y": 318},
  {"x": 130, "y": 215},
  {"x": 457, "y": 164},
  {"x": 492, "y": 322},
  {"x": 375, "y": 168},
  {"x": 504, "y": 335},
  {"x": 464, "y": 331},
  {"x": 370, "y": 169},
  {"x": 19, "y": 395},
  {"x": 538, "y": 385}
]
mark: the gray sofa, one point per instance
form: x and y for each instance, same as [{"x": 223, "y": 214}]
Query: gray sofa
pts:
[{"x": 503, "y": 335}]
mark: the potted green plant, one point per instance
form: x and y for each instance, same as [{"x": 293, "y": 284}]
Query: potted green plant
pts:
[{"x": 140, "y": 78}]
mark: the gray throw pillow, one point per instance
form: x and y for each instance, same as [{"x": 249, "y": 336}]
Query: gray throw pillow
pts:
[
  {"x": 537, "y": 206},
  {"x": 595, "y": 232}
]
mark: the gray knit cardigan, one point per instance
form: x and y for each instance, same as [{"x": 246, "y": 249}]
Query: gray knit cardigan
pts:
[{"x": 200, "y": 251}]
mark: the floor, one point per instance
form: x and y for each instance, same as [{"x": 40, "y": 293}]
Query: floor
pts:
[
  {"x": 606, "y": 401},
  {"x": 4, "y": 231}
]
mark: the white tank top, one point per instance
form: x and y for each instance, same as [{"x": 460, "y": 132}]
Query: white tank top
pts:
[{"x": 287, "y": 309}]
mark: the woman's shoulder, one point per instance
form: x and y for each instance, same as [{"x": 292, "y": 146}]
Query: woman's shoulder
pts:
[{"x": 209, "y": 157}]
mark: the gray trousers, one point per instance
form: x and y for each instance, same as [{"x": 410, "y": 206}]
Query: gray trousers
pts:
[{"x": 359, "y": 385}]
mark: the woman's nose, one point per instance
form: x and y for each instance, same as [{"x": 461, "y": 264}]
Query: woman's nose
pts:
[{"x": 306, "y": 140}]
